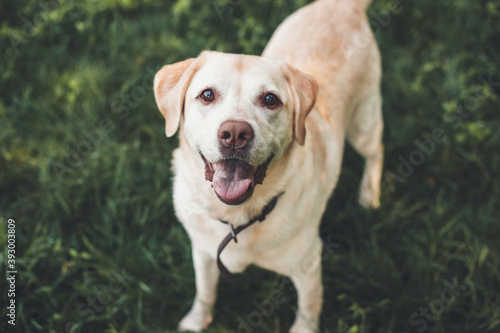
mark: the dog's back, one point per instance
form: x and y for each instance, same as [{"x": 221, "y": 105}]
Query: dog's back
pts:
[{"x": 331, "y": 40}]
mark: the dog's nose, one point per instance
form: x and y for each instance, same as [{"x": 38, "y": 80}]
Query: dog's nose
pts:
[{"x": 234, "y": 133}]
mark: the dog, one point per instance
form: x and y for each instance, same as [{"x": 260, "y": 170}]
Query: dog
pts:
[{"x": 261, "y": 138}]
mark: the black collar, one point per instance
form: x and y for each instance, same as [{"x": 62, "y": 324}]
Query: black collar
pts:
[{"x": 235, "y": 231}]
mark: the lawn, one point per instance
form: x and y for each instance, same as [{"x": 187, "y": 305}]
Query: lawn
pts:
[{"x": 85, "y": 171}]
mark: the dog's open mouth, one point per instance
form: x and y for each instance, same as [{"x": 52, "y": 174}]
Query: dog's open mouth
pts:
[{"x": 234, "y": 179}]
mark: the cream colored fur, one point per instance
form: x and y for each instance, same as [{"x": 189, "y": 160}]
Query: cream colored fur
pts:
[{"x": 316, "y": 48}]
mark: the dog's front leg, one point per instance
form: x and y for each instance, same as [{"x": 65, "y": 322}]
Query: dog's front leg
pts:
[
  {"x": 206, "y": 275},
  {"x": 307, "y": 280}
]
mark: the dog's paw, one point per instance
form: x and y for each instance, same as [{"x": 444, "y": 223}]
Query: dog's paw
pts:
[
  {"x": 302, "y": 326},
  {"x": 369, "y": 200},
  {"x": 369, "y": 197},
  {"x": 197, "y": 319}
]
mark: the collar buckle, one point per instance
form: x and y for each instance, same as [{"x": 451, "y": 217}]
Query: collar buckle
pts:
[{"x": 233, "y": 233}]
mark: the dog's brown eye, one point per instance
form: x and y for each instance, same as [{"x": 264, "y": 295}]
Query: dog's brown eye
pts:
[
  {"x": 207, "y": 95},
  {"x": 271, "y": 100}
]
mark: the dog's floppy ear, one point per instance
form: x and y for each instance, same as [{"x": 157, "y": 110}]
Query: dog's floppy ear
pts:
[
  {"x": 304, "y": 89},
  {"x": 170, "y": 85}
]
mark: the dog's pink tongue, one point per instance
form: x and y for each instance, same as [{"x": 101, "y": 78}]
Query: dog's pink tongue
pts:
[{"x": 232, "y": 178}]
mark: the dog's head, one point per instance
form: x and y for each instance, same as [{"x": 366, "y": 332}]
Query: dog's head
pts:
[{"x": 238, "y": 112}]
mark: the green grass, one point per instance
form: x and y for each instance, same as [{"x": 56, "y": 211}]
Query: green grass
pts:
[{"x": 94, "y": 217}]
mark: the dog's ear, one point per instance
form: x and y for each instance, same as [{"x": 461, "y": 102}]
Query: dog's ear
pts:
[
  {"x": 304, "y": 89},
  {"x": 170, "y": 85}
]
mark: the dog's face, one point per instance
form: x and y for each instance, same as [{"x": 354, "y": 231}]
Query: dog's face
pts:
[{"x": 237, "y": 112}]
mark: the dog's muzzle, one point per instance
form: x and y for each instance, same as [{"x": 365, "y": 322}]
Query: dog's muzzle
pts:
[{"x": 233, "y": 179}]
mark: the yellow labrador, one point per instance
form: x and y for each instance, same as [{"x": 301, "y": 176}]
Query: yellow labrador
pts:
[{"x": 253, "y": 128}]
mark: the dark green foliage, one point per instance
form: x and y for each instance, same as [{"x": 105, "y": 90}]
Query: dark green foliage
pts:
[{"x": 85, "y": 169}]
